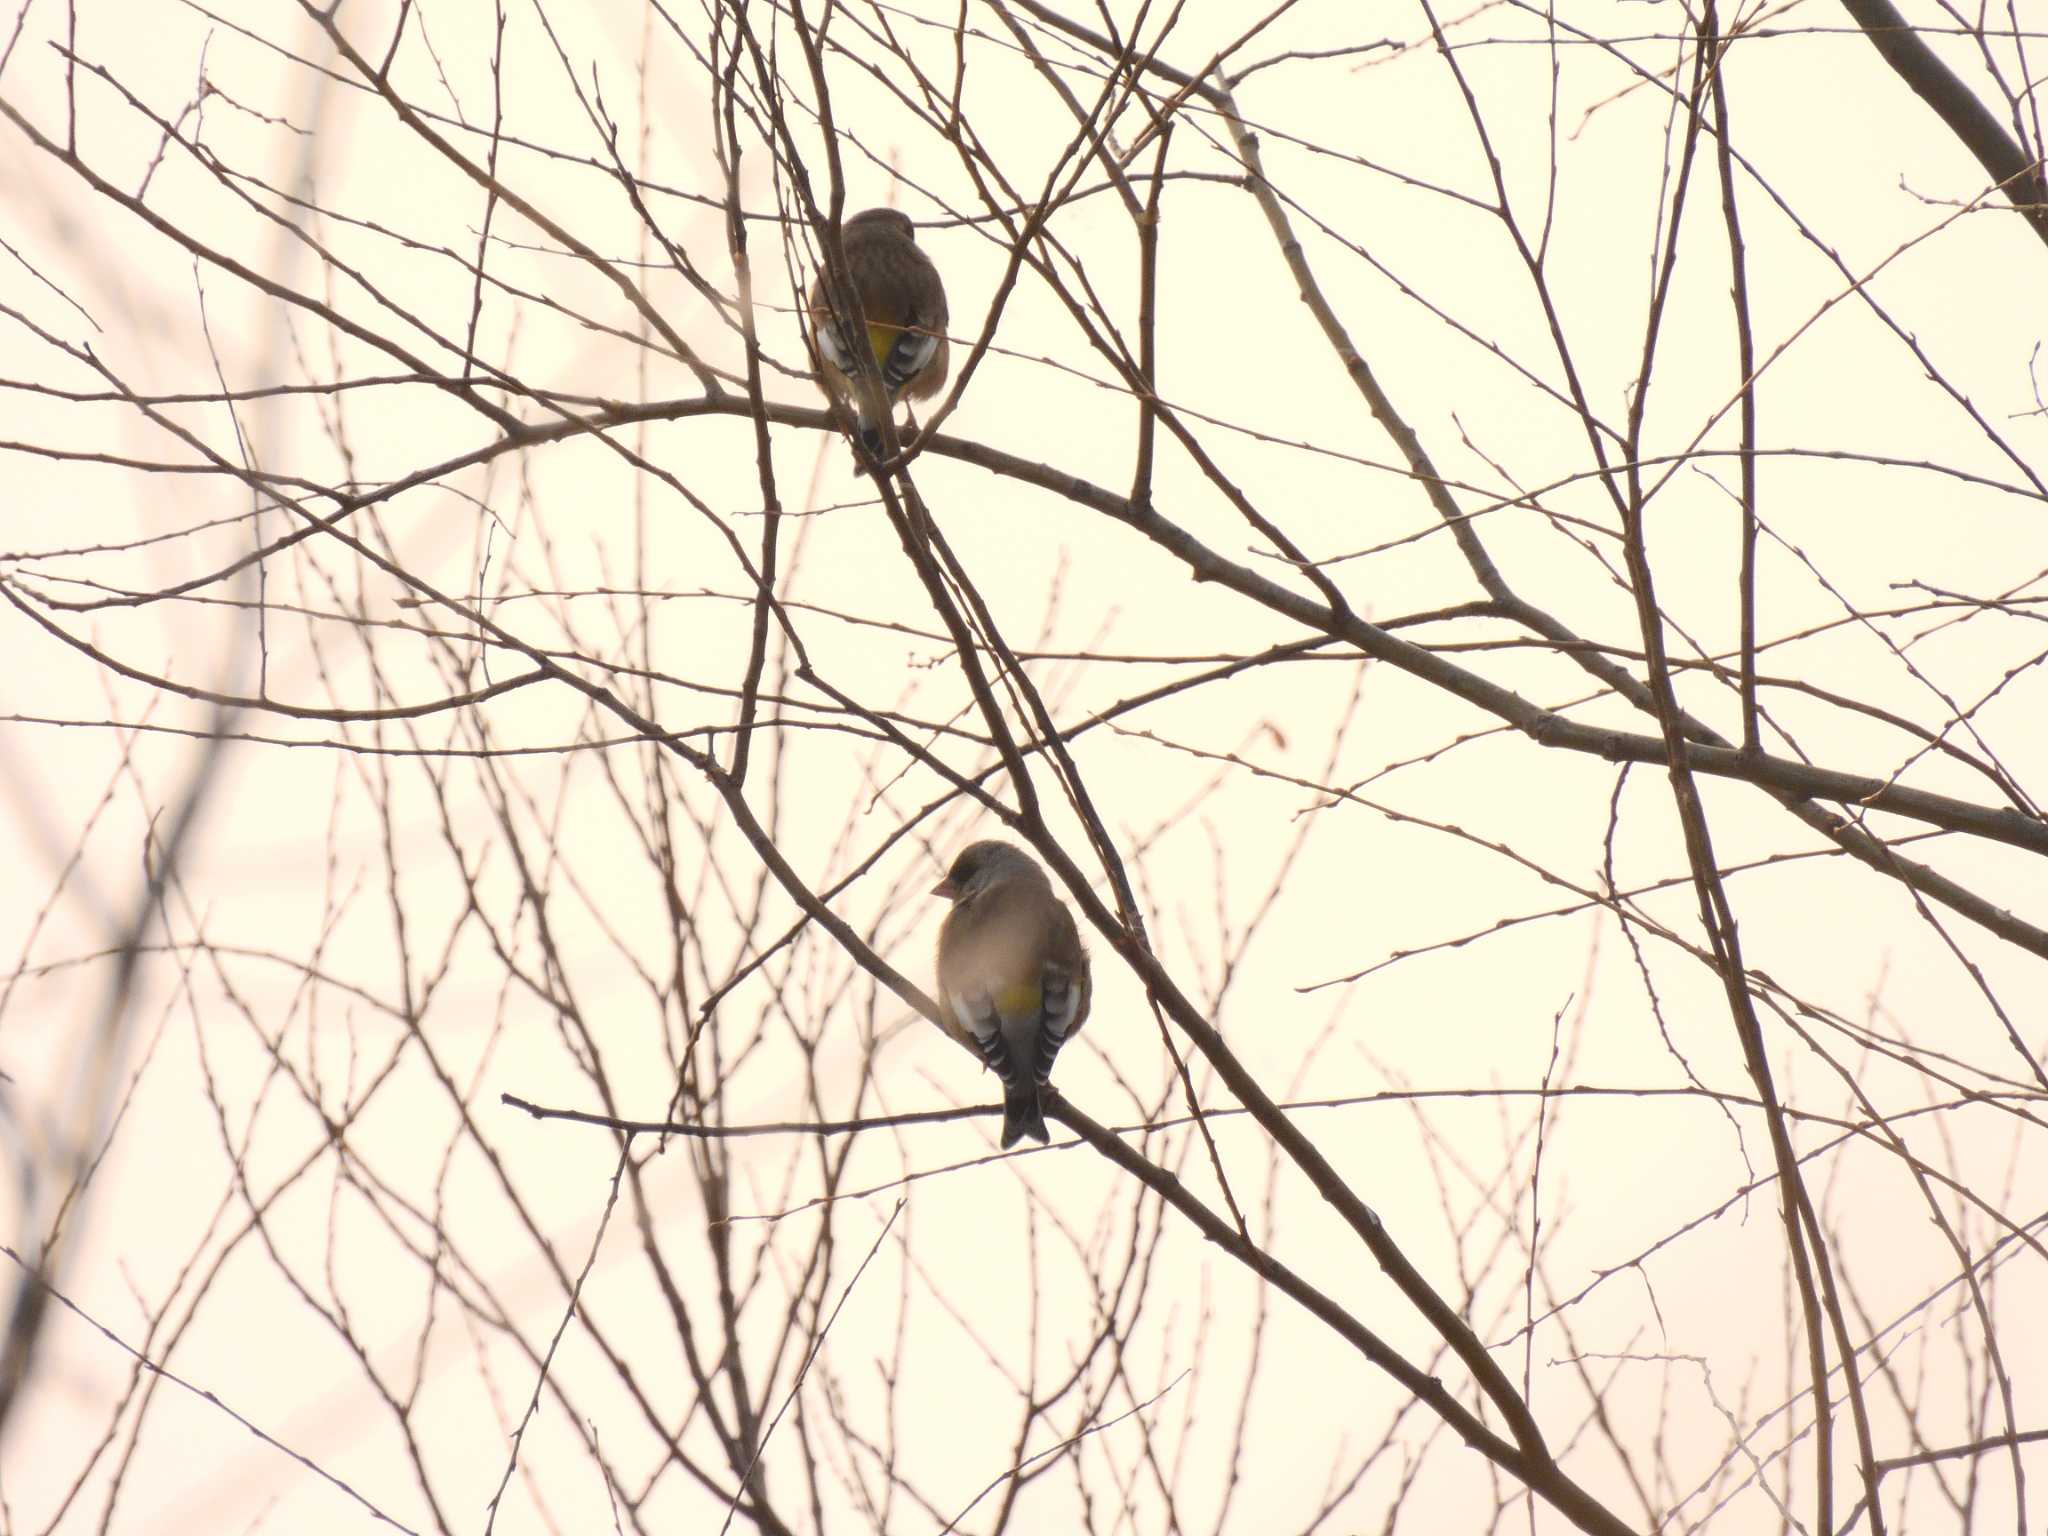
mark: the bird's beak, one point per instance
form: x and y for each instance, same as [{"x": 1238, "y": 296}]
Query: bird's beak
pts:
[{"x": 947, "y": 889}]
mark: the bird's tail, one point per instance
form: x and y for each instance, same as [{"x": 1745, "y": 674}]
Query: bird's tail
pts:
[{"x": 1023, "y": 1115}]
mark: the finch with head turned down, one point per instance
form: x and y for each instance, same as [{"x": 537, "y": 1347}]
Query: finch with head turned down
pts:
[
  {"x": 902, "y": 321},
  {"x": 1013, "y": 977}
]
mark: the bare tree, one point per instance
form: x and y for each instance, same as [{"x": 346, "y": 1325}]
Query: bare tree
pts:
[{"x": 1497, "y": 558}]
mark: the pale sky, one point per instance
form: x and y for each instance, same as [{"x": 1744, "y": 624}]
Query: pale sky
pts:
[{"x": 349, "y": 875}]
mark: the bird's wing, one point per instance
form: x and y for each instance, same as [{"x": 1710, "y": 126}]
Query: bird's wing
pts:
[
  {"x": 981, "y": 1017},
  {"x": 1067, "y": 987},
  {"x": 1064, "y": 994},
  {"x": 905, "y": 357},
  {"x": 834, "y": 347}
]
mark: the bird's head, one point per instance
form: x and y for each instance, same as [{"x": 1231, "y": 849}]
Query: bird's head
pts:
[
  {"x": 981, "y": 865},
  {"x": 893, "y": 221}
]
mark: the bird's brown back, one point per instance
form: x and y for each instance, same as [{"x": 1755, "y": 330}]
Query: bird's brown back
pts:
[{"x": 899, "y": 288}]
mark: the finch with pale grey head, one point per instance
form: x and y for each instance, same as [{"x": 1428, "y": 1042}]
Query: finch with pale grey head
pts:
[{"x": 1013, "y": 977}]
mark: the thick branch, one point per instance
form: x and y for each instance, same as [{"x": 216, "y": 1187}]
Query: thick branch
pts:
[{"x": 2018, "y": 175}]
